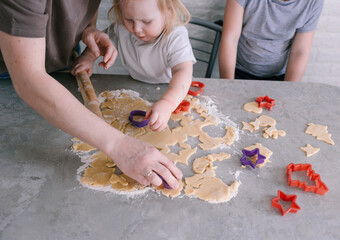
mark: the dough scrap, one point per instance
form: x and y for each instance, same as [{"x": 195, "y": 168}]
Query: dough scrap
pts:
[
  {"x": 309, "y": 150},
  {"x": 82, "y": 147},
  {"x": 200, "y": 165},
  {"x": 247, "y": 126},
  {"x": 320, "y": 132},
  {"x": 252, "y": 107},
  {"x": 210, "y": 188},
  {"x": 268, "y": 124}
]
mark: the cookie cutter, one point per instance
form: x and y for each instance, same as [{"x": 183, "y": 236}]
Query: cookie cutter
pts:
[
  {"x": 166, "y": 185},
  {"x": 319, "y": 188},
  {"x": 138, "y": 124},
  {"x": 183, "y": 106},
  {"x": 265, "y": 102},
  {"x": 288, "y": 198},
  {"x": 248, "y": 157},
  {"x": 197, "y": 84}
]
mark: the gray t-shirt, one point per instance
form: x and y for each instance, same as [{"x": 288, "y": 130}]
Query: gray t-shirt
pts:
[
  {"x": 151, "y": 62},
  {"x": 60, "y": 21},
  {"x": 268, "y": 30}
]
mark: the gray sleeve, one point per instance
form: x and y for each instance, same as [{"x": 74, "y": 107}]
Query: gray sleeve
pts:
[
  {"x": 313, "y": 17},
  {"x": 243, "y": 3},
  {"x": 179, "y": 48}
]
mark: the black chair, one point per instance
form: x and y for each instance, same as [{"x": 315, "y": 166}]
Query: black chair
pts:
[{"x": 205, "y": 38}]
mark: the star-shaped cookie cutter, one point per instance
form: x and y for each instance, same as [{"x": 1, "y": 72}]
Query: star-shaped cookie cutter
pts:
[
  {"x": 319, "y": 188},
  {"x": 183, "y": 106},
  {"x": 138, "y": 124},
  {"x": 252, "y": 158},
  {"x": 265, "y": 102},
  {"x": 197, "y": 84},
  {"x": 288, "y": 198}
]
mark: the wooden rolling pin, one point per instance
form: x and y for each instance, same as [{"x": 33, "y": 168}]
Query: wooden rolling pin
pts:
[{"x": 87, "y": 91}]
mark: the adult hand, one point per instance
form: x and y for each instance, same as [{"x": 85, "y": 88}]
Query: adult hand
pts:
[
  {"x": 100, "y": 44},
  {"x": 159, "y": 115},
  {"x": 141, "y": 161}
]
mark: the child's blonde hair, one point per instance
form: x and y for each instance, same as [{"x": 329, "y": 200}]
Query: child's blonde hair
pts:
[{"x": 176, "y": 13}]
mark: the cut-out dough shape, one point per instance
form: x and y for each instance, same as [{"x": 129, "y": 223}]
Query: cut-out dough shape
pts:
[
  {"x": 320, "y": 132},
  {"x": 269, "y": 127},
  {"x": 252, "y": 107},
  {"x": 309, "y": 150}
]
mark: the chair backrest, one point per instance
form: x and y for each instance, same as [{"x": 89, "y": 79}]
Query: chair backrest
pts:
[{"x": 205, "y": 39}]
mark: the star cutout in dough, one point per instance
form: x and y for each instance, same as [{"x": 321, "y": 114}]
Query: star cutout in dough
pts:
[{"x": 309, "y": 150}]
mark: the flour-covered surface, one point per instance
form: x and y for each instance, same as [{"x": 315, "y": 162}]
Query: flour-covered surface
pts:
[{"x": 202, "y": 121}]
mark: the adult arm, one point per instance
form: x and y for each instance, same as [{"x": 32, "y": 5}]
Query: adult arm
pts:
[
  {"x": 179, "y": 85},
  {"x": 232, "y": 27},
  {"x": 25, "y": 61},
  {"x": 298, "y": 56}
]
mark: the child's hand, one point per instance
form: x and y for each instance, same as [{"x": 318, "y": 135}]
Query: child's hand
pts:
[
  {"x": 159, "y": 115},
  {"x": 83, "y": 63}
]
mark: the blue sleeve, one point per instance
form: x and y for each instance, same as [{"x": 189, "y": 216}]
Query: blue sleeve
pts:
[{"x": 313, "y": 18}]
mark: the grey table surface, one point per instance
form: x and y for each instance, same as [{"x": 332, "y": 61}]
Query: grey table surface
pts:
[{"x": 40, "y": 197}]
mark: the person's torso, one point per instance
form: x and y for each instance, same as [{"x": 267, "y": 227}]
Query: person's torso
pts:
[
  {"x": 60, "y": 21},
  {"x": 269, "y": 27},
  {"x": 152, "y": 61}
]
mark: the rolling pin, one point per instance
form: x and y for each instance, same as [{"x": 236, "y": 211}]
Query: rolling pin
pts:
[{"x": 87, "y": 91}]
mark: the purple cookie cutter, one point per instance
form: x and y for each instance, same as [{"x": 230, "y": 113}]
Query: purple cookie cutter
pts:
[
  {"x": 247, "y": 155},
  {"x": 137, "y": 123},
  {"x": 166, "y": 185}
]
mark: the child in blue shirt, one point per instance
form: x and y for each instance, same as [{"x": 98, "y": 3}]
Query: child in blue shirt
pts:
[{"x": 267, "y": 39}]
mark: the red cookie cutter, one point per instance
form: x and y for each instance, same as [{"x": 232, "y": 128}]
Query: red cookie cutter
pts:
[
  {"x": 265, "y": 102},
  {"x": 183, "y": 106},
  {"x": 319, "y": 188},
  {"x": 288, "y": 198},
  {"x": 197, "y": 84}
]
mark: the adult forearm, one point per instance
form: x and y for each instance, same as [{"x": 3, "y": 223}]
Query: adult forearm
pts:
[{"x": 56, "y": 104}]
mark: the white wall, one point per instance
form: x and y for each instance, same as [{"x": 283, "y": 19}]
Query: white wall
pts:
[{"x": 324, "y": 62}]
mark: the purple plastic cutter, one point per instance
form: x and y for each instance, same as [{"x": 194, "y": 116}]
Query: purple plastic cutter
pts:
[
  {"x": 165, "y": 183},
  {"x": 245, "y": 160},
  {"x": 137, "y": 123}
]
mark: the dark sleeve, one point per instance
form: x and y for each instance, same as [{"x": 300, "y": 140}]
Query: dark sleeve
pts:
[{"x": 23, "y": 18}]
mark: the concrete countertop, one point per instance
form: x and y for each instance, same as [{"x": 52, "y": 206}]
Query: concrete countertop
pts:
[{"x": 40, "y": 197}]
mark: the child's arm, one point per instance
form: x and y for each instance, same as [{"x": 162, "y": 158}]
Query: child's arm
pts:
[
  {"x": 299, "y": 55},
  {"x": 179, "y": 85},
  {"x": 83, "y": 63},
  {"x": 232, "y": 27}
]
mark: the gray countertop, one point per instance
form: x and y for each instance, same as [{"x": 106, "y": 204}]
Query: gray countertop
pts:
[{"x": 40, "y": 197}]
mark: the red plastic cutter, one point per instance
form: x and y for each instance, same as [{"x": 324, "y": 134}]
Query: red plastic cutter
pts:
[
  {"x": 265, "y": 102},
  {"x": 197, "y": 84},
  {"x": 319, "y": 188},
  {"x": 289, "y": 198},
  {"x": 183, "y": 106}
]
